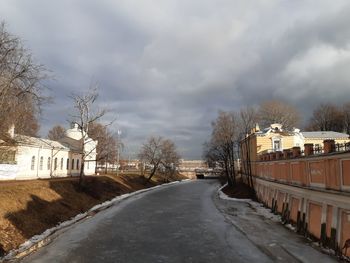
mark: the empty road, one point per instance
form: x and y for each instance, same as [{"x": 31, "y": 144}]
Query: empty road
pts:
[{"x": 175, "y": 223}]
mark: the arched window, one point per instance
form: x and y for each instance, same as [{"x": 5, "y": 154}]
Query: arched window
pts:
[
  {"x": 41, "y": 162},
  {"x": 72, "y": 164},
  {"x": 55, "y": 164},
  {"x": 61, "y": 163},
  {"x": 67, "y": 163},
  {"x": 77, "y": 164},
  {"x": 32, "y": 166},
  {"x": 48, "y": 163}
]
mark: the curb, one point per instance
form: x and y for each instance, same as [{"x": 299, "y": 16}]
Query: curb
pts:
[{"x": 50, "y": 234}]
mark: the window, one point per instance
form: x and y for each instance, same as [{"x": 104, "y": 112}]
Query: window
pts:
[
  {"x": 48, "y": 163},
  {"x": 55, "y": 164},
  {"x": 88, "y": 165},
  {"x": 41, "y": 162},
  {"x": 61, "y": 164},
  {"x": 276, "y": 145},
  {"x": 72, "y": 164},
  {"x": 67, "y": 163},
  {"x": 32, "y": 166},
  {"x": 77, "y": 164}
]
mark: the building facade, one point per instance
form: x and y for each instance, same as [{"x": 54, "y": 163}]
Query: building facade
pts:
[
  {"x": 34, "y": 158},
  {"x": 304, "y": 177},
  {"x": 276, "y": 139}
]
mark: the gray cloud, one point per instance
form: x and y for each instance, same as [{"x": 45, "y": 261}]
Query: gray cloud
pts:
[{"x": 167, "y": 67}]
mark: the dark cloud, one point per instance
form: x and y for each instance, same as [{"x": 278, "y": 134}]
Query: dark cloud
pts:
[{"x": 167, "y": 67}]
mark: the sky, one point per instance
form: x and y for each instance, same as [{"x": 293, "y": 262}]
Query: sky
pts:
[{"x": 167, "y": 67}]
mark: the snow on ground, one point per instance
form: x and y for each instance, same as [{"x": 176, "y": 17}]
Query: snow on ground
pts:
[
  {"x": 286, "y": 241},
  {"x": 258, "y": 207}
]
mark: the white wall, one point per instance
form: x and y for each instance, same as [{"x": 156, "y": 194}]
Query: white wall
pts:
[
  {"x": 8, "y": 171},
  {"x": 23, "y": 169}
]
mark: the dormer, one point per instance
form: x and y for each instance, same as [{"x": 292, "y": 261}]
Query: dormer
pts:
[{"x": 276, "y": 127}]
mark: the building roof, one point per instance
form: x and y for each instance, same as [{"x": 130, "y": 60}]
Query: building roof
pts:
[
  {"x": 325, "y": 135},
  {"x": 39, "y": 142}
]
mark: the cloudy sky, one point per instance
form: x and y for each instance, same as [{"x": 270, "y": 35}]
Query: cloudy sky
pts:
[{"x": 166, "y": 67}]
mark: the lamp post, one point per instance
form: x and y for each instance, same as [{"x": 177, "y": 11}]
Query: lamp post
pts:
[{"x": 119, "y": 132}]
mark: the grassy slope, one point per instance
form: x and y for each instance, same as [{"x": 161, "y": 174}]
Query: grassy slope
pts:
[{"x": 28, "y": 208}]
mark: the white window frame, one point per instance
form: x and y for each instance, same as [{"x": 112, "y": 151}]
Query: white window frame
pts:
[{"x": 276, "y": 139}]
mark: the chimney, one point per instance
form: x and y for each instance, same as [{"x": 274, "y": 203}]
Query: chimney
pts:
[
  {"x": 11, "y": 131},
  {"x": 257, "y": 128}
]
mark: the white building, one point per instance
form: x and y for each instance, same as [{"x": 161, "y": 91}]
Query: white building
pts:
[{"x": 33, "y": 158}]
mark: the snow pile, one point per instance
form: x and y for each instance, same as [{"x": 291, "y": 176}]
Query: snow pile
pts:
[
  {"x": 259, "y": 208},
  {"x": 265, "y": 212},
  {"x": 38, "y": 241}
]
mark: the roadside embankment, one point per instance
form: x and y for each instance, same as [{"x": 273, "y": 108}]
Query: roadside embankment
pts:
[{"x": 28, "y": 208}]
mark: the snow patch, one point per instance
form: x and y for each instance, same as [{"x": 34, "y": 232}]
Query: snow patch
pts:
[
  {"x": 289, "y": 226},
  {"x": 259, "y": 208}
]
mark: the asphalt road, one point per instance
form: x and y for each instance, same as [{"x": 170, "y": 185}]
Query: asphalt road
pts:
[
  {"x": 176, "y": 223},
  {"x": 184, "y": 222}
]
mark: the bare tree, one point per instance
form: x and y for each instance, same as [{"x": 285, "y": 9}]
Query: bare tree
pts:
[
  {"x": 56, "y": 133},
  {"x": 159, "y": 152},
  {"x": 107, "y": 143},
  {"x": 326, "y": 117},
  {"x": 20, "y": 86},
  {"x": 170, "y": 158},
  {"x": 151, "y": 153},
  {"x": 346, "y": 116},
  {"x": 85, "y": 115},
  {"x": 274, "y": 111},
  {"x": 248, "y": 120},
  {"x": 223, "y": 145}
]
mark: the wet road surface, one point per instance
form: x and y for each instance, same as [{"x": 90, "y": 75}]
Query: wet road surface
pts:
[{"x": 177, "y": 223}]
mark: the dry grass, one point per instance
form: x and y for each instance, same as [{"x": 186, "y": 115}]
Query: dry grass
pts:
[{"x": 28, "y": 208}]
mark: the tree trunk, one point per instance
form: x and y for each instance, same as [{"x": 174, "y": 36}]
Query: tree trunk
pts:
[
  {"x": 152, "y": 173},
  {"x": 81, "y": 174},
  {"x": 229, "y": 179}
]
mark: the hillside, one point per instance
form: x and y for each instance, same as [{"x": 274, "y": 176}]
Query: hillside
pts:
[{"x": 28, "y": 208}]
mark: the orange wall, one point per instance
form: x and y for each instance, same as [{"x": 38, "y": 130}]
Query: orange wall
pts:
[
  {"x": 329, "y": 220},
  {"x": 294, "y": 210},
  {"x": 315, "y": 213},
  {"x": 317, "y": 172},
  {"x": 327, "y": 172},
  {"x": 280, "y": 198},
  {"x": 345, "y": 229},
  {"x": 346, "y": 172}
]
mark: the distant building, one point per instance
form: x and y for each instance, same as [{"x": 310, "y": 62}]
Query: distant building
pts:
[
  {"x": 276, "y": 139},
  {"x": 191, "y": 165},
  {"x": 31, "y": 158},
  {"x": 317, "y": 137}
]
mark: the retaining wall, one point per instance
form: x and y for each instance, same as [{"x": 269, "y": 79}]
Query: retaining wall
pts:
[{"x": 312, "y": 192}]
